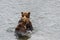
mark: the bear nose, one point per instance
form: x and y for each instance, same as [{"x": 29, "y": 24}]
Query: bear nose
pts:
[{"x": 24, "y": 17}]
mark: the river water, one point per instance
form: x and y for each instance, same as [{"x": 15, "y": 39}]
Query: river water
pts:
[{"x": 45, "y": 17}]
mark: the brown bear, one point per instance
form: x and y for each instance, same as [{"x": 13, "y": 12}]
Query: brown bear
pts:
[
  {"x": 24, "y": 23},
  {"x": 26, "y": 18}
]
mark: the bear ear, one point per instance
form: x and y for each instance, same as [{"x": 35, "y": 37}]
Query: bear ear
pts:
[
  {"x": 21, "y": 12},
  {"x": 29, "y": 14}
]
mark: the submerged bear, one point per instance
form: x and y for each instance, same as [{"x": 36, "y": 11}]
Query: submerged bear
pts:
[{"x": 24, "y": 25}]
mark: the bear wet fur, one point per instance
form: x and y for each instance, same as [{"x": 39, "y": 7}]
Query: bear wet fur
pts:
[{"x": 24, "y": 23}]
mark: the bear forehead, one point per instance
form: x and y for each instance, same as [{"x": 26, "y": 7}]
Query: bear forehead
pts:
[{"x": 25, "y": 13}]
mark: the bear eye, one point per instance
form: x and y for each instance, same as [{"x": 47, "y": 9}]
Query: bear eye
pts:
[
  {"x": 22, "y": 15},
  {"x": 27, "y": 16}
]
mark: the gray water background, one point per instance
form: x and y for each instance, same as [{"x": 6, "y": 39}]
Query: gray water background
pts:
[{"x": 45, "y": 17}]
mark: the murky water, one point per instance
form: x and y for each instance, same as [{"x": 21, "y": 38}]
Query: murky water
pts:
[{"x": 45, "y": 17}]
